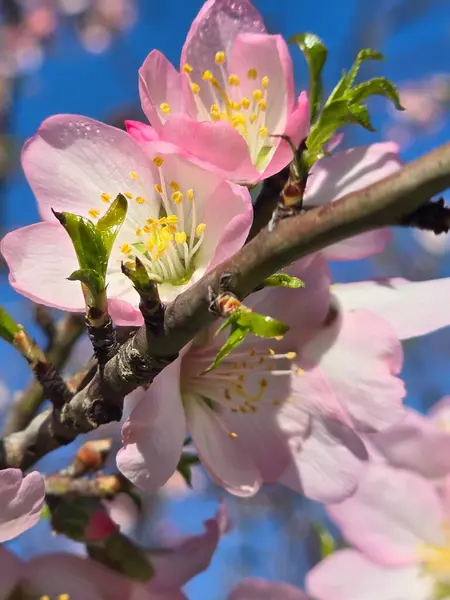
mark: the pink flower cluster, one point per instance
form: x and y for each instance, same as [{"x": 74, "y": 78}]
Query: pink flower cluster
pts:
[{"x": 313, "y": 410}]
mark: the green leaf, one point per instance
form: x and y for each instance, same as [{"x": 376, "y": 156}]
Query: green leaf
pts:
[
  {"x": 185, "y": 464},
  {"x": 260, "y": 325},
  {"x": 108, "y": 226},
  {"x": 138, "y": 275},
  {"x": 91, "y": 279},
  {"x": 236, "y": 337},
  {"x": 361, "y": 116},
  {"x": 363, "y": 55},
  {"x": 8, "y": 327},
  {"x": 284, "y": 280},
  {"x": 327, "y": 542},
  {"x": 315, "y": 53},
  {"x": 262, "y": 155},
  {"x": 87, "y": 241},
  {"x": 379, "y": 86}
]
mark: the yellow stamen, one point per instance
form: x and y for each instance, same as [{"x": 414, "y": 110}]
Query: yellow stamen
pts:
[
  {"x": 276, "y": 402},
  {"x": 174, "y": 186},
  {"x": 158, "y": 188},
  {"x": 177, "y": 197},
  {"x": 262, "y": 104},
  {"x": 245, "y": 102},
  {"x": 129, "y": 195},
  {"x": 173, "y": 219},
  {"x": 147, "y": 228},
  {"x": 271, "y": 352},
  {"x": 195, "y": 88},
  {"x": 291, "y": 355},
  {"x": 252, "y": 118},
  {"x": 94, "y": 213},
  {"x": 220, "y": 57},
  {"x": 190, "y": 194},
  {"x": 150, "y": 221},
  {"x": 105, "y": 197},
  {"x": 187, "y": 68},
  {"x": 252, "y": 74},
  {"x": 158, "y": 161},
  {"x": 125, "y": 248},
  {"x": 133, "y": 175},
  {"x": 165, "y": 107},
  {"x": 138, "y": 231},
  {"x": 265, "y": 82},
  {"x": 232, "y": 435},
  {"x": 257, "y": 95},
  {"x": 63, "y": 597},
  {"x": 180, "y": 237},
  {"x": 200, "y": 229},
  {"x": 300, "y": 372},
  {"x": 233, "y": 79},
  {"x": 207, "y": 76},
  {"x": 140, "y": 200},
  {"x": 263, "y": 383},
  {"x": 263, "y": 132}
]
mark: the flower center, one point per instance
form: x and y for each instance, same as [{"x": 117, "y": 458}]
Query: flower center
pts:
[
  {"x": 436, "y": 564},
  {"x": 221, "y": 98},
  {"x": 242, "y": 383},
  {"x": 166, "y": 245}
]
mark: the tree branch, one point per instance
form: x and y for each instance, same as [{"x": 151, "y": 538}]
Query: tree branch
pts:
[{"x": 144, "y": 355}]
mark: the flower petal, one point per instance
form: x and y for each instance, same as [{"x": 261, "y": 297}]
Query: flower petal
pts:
[
  {"x": 22, "y": 499},
  {"x": 141, "y": 132},
  {"x": 391, "y": 516},
  {"x": 221, "y": 455},
  {"x": 416, "y": 444},
  {"x": 217, "y": 145},
  {"x": 366, "y": 386},
  {"x": 345, "y": 172},
  {"x": 215, "y": 29},
  {"x": 11, "y": 570},
  {"x": 349, "y": 575},
  {"x": 40, "y": 258},
  {"x": 175, "y": 566},
  {"x": 153, "y": 435},
  {"x": 73, "y": 160},
  {"x": 159, "y": 83},
  {"x": 260, "y": 589},
  {"x": 412, "y": 308}
]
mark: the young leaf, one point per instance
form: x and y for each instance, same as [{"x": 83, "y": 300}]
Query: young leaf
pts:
[
  {"x": 236, "y": 337},
  {"x": 8, "y": 327},
  {"x": 315, "y": 53},
  {"x": 87, "y": 241},
  {"x": 363, "y": 55},
  {"x": 378, "y": 86},
  {"x": 108, "y": 226},
  {"x": 260, "y": 325},
  {"x": 327, "y": 542},
  {"x": 91, "y": 279},
  {"x": 283, "y": 280}
]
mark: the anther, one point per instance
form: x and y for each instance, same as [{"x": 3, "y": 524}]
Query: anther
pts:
[
  {"x": 105, "y": 197},
  {"x": 165, "y": 107},
  {"x": 94, "y": 213},
  {"x": 220, "y": 57},
  {"x": 158, "y": 161}
]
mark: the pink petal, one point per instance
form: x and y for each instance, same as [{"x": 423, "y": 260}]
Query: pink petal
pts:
[
  {"x": 222, "y": 456},
  {"x": 391, "y": 516},
  {"x": 440, "y": 413},
  {"x": 412, "y": 308},
  {"x": 40, "y": 258},
  {"x": 11, "y": 570},
  {"x": 350, "y": 170},
  {"x": 217, "y": 145},
  {"x": 22, "y": 499},
  {"x": 159, "y": 82},
  {"x": 215, "y": 28},
  {"x": 260, "y": 589},
  {"x": 141, "y": 132},
  {"x": 416, "y": 444},
  {"x": 124, "y": 314},
  {"x": 187, "y": 558},
  {"x": 72, "y": 160},
  {"x": 269, "y": 55},
  {"x": 228, "y": 218},
  {"x": 327, "y": 455},
  {"x": 153, "y": 435},
  {"x": 297, "y": 129},
  {"x": 366, "y": 386},
  {"x": 349, "y": 575},
  {"x": 345, "y": 172}
]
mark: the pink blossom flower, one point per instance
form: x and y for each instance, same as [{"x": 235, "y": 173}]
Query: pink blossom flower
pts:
[
  {"x": 287, "y": 409},
  {"x": 398, "y": 526},
  {"x": 21, "y": 500},
  {"x": 234, "y": 91},
  {"x": 181, "y": 219},
  {"x": 260, "y": 589},
  {"x": 183, "y": 559},
  {"x": 62, "y": 576}
]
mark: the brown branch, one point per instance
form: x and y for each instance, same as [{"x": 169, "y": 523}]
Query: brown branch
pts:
[
  {"x": 68, "y": 330},
  {"x": 144, "y": 355}
]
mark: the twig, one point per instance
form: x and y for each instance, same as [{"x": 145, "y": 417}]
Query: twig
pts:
[
  {"x": 142, "y": 357},
  {"x": 68, "y": 330}
]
